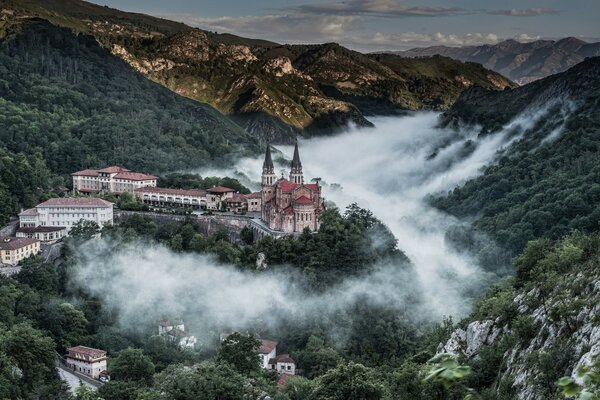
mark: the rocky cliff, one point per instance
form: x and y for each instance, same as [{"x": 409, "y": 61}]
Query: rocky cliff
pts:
[{"x": 523, "y": 337}]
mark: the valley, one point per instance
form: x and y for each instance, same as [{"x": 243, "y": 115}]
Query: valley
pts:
[{"x": 190, "y": 214}]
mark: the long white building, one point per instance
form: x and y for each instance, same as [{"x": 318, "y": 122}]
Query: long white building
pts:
[
  {"x": 66, "y": 212},
  {"x": 112, "y": 179}
]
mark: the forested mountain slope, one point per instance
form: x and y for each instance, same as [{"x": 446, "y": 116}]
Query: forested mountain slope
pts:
[
  {"x": 67, "y": 102},
  {"x": 275, "y": 91},
  {"x": 549, "y": 182}
]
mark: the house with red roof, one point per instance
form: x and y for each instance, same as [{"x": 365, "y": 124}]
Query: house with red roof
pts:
[
  {"x": 113, "y": 179},
  {"x": 86, "y": 360},
  {"x": 289, "y": 205}
]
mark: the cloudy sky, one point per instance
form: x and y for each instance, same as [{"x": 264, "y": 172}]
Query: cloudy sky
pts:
[{"x": 371, "y": 25}]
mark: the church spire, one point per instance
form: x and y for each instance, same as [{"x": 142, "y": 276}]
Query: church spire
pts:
[
  {"x": 296, "y": 174},
  {"x": 268, "y": 163},
  {"x": 268, "y": 174}
]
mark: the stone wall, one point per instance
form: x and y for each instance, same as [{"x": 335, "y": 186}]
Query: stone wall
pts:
[{"x": 208, "y": 224}]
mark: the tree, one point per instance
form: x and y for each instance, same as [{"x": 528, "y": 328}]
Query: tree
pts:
[
  {"x": 31, "y": 352},
  {"x": 120, "y": 390},
  {"x": 207, "y": 381},
  {"x": 132, "y": 365},
  {"x": 316, "y": 358},
  {"x": 247, "y": 235},
  {"x": 349, "y": 381},
  {"x": 84, "y": 230},
  {"x": 241, "y": 352},
  {"x": 39, "y": 275}
]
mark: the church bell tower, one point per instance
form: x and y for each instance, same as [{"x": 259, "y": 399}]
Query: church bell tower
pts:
[
  {"x": 296, "y": 174},
  {"x": 268, "y": 172}
]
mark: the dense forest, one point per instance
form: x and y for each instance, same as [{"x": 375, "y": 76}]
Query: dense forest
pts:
[
  {"x": 543, "y": 188},
  {"x": 385, "y": 354}
]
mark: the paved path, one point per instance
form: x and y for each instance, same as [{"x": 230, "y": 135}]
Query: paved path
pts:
[{"x": 74, "y": 380}]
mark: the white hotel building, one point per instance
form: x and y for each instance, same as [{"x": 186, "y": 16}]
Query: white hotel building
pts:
[
  {"x": 66, "y": 212},
  {"x": 112, "y": 179}
]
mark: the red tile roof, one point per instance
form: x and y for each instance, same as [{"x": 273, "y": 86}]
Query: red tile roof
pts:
[
  {"x": 113, "y": 169},
  {"x": 86, "y": 172},
  {"x": 76, "y": 202},
  {"x": 255, "y": 195},
  {"x": 303, "y": 200},
  {"x": 286, "y": 186},
  {"x": 236, "y": 198},
  {"x": 266, "y": 346},
  {"x": 135, "y": 176},
  {"x": 30, "y": 212},
  {"x": 171, "y": 191},
  {"x": 220, "y": 189},
  {"x": 312, "y": 186},
  {"x": 86, "y": 350},
  {"x": 15, "y": 243}
]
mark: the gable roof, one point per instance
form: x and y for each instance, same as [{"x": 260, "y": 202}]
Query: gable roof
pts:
[
  {"x": 15, "y": 243},
  {"x": 282, "y": 358},
  {"x": 266, "y": 346},
  {"x": 29, "y": 212},
  {"x": 135, "y": 176},
  {"x": 76, "y": 202},
  {"x": 89, "y": 351},
  {"x": 303, "y": 200},
  {"x": 220, "y": 189},
  {"x": 113, "y": 169}
]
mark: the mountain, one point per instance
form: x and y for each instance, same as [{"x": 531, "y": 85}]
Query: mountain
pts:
[
  {"x": 66, "y": 103},
  {"x": 548, "y": 184},
  {"x": 275, "y": 91},
  {"x": 521, "y": 62}
]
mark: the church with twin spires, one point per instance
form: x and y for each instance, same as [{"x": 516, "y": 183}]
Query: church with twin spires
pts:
[{"x": 289, "y": 205}]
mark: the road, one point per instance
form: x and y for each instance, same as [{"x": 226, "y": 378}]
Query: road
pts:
[{"x": 74, "y": 381}]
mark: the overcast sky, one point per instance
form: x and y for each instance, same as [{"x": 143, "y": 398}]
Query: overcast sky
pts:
[{"x": 371, "y": 25}]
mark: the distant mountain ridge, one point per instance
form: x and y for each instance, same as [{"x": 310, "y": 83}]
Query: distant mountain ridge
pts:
[
  {"x": 521, "y": 62},
  {"x": 274, "y": 91}
]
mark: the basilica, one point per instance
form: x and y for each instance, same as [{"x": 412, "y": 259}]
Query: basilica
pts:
[{"x": 289, "y": 205}]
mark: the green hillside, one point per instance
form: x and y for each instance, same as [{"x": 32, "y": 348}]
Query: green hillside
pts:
[
  {"x": 539, "y": 190},
  {"x": 274, "y": 91},
  {"x": 66, "y": 101}
]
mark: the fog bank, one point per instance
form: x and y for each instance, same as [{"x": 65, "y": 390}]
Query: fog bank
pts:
[{"x": 391, "y": 170}]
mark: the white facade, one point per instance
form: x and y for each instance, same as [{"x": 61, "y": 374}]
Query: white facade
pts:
[
  {"x": 266, "y": 351},
  {"x": 45, "y": 234},
  {"x": 112, "y": 179},
  {"x": 68, "y": 211},
  {"x": 283, "y": 364},
  {"x": 13, "y": 249},
  {"x": 216, "y": 196},
  {"x": 194, "y": 198},
  {"x": 175, "y": 332},
  {"x": 86, "y": 360}
]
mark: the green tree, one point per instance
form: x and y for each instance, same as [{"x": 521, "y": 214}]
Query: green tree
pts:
[
  {"x": 31, "y": 352},
  {"x": 84, "y": 230},
  {"x": 241, "y": 352},
  {"x": 349, "y": 381},
  {"x": 207, "y": 381},
  {"x": 132, "y": 365}
]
